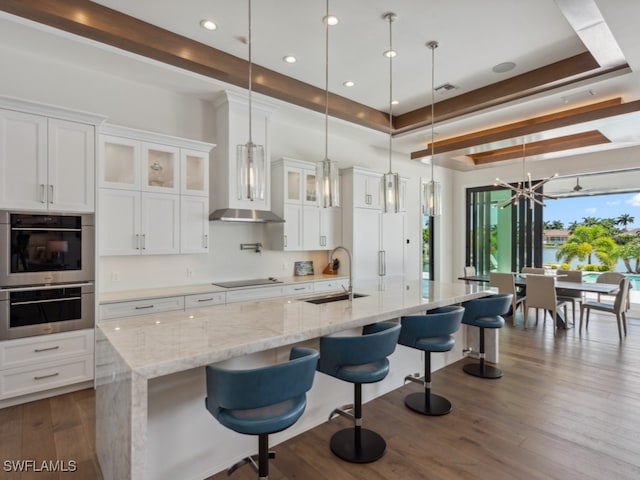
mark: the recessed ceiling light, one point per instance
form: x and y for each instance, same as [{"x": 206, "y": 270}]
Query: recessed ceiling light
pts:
[
  {"x": 348, "y": 83},
  {"x": 332, "y": 20},
  {"x": 390, "y": 53},
  {"x": 208, "y": 24},
  {"x": 504, "y": 67},
  {"x": 395, "y": 102},
  {"x": 290, "y": 59}
]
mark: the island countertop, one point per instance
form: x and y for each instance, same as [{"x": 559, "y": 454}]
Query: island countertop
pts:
[{"x": 165, "y": 343}]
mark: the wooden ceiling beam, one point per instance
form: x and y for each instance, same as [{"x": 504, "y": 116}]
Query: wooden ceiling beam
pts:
[
  {"x": 564, "y": 72},
  {"x": 558, "y": 144},
  {"x": 609, "y": 108}
]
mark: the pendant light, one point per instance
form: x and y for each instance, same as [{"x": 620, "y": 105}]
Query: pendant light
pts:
[
  {"x": 432, "y": 193},
  {"x": 526, "y": 189},
  {"x": 250, "y": 157},
  {"x": 391, "y": 180},
  {"x": 327, "y": 180}
]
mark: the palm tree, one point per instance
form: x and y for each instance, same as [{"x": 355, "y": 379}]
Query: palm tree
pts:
[
  {"x": 586, "y": 241},
  {"x": 624, "y": 219},
  {"x": 628, "y": 251}
]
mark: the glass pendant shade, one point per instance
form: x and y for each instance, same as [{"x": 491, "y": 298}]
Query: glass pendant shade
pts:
[
  {"x": 391, "y": 192},
  {"x": 432, "y": 196},
  {"x": 251, "y": 172},
  {"x": 327, "y": 184}
]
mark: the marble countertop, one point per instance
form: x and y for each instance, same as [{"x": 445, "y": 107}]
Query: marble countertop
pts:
[
  {"x": 161, "y": 292},
  {"x": 164, "y": 343}
]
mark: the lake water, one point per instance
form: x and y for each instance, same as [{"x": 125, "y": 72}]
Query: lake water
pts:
[{"x": 549, "y": 256}]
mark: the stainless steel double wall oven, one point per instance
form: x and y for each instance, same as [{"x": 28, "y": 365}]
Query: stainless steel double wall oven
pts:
[{"x": 47, "y": 271}]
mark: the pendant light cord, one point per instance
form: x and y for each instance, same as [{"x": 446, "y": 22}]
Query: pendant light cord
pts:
[
  {"x": 326, "y": 83},
  {"x": 250, "y": 76},
  {"x": 433, "y": 45},
  {"x": 391, "y": 18}
]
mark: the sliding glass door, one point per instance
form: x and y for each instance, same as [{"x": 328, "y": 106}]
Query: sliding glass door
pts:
[{"x": 501, "y": 239}]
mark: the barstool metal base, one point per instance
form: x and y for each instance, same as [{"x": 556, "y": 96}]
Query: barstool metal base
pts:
[
  {"x": 482, "y": 371},
  {"x": 437, "y": 405},
  {"x": 344, "y": 444}
]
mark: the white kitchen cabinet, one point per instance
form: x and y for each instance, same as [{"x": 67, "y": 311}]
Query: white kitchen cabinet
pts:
[
  {"x": 166, "y": 207},
  {"x": 307, "y": 226},
  {"x": 35, "y": 364},
  {"x": 141, "y": 307},
  {"x": 134, "y": 223},
  {"x": 377, "y": 240},
  {"x": 194, "y": 224},
  {"x": 367, "y": 190},
  {"x": 201, "y": 300},
  {"x": 257, "y": 293},
  {"x": 46, "y": 163}
]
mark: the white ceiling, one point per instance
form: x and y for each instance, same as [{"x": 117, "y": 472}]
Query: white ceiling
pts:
[{"x": 473, "y": 36}]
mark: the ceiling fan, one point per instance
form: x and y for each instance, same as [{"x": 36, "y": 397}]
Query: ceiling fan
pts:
[{"x": 577, "y": 188}]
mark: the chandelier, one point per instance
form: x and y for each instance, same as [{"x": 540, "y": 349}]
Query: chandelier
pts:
[{"x": 526, "y": 189}]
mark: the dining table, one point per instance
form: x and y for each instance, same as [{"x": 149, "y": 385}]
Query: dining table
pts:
[{"x": 520, "y": 280}]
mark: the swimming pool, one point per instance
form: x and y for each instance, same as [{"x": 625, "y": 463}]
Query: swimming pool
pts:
[{"x": 634, "y": 279}]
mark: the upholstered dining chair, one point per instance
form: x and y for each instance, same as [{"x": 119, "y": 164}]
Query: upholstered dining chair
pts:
[
  {"x": 611, "y": 277},
  {"x": 567, "y": 295},
  {"x": 534, "y": 270},
  {"x": 261, "y": 401},
  {"x": 618, "y": 308},
  {"x": 505, "y": 283},
  {"x": 541, "y": 293}
]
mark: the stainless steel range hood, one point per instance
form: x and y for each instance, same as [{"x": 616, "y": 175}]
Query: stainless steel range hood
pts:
[{"x": 243, "y": 215}]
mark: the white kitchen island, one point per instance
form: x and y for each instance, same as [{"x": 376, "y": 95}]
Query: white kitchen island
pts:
[{"x": 151, "y": 422}]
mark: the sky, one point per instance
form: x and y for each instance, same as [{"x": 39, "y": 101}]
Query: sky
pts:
[{"x": 600, "y": 206}]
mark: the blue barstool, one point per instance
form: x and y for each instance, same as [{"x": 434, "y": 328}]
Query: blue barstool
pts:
[
  {"x": 432, "y": 332},
  {"x": 485, "y": 313},
  {"x": 261, "y": 401},
  {"x": 358, "y": 359}
]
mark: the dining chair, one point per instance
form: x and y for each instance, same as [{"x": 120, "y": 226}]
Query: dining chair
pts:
[
  {"x": 567, "y": 295},
  {"x": 505, "y": 283},
  {"x": 617, "y": 308},
  {"x": 611, "y": 277},
  {"x": 534, "y": 270},
  {"x": 541, "y": 293}
]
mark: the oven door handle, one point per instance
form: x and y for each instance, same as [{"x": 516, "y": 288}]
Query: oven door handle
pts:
[
  {"x": 48, "y": 300},
  {"x": 31, "y": 288}
]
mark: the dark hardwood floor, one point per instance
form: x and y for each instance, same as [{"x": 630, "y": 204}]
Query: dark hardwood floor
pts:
[{"x": 568, "y": 407}]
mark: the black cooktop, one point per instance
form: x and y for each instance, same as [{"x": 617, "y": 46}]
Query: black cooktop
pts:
[{"x": 248, "y": 283}]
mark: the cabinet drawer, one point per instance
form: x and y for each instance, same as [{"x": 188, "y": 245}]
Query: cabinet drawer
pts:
[
  {"x": 297, "y": 288},
  {"x": 141, "y": 307},
  {"x": 249, "y": 294},
  {"x": 204, "y": 300},
  {"x": 45, "y": 348},
  {"x": 329, "y": 285},
  {"x": 35, "y": 378}
]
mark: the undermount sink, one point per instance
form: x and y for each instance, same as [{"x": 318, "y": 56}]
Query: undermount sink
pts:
[{"x": 335, "y": 297}]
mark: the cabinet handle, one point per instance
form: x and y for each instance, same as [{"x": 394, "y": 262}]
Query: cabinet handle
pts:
[
  {"x": 137, "y": 241},
  {"x": 42, "y": 377},
  {"x": 381, "y": 265},
  {"x": 42, "y": 200},
  {"x": 298, "y": 289},
  {"x": 206, "y": 241},
  {"x": 50, "y": 193},
  {"x": 205, "y": 299},
  {"x": 384, "y": 262},
  {"x": 285, "y": 240},
  {"x": 144, "y": 241},
  {"x": 38, "y": 350},
  {"x": 142, "y": 307}
]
